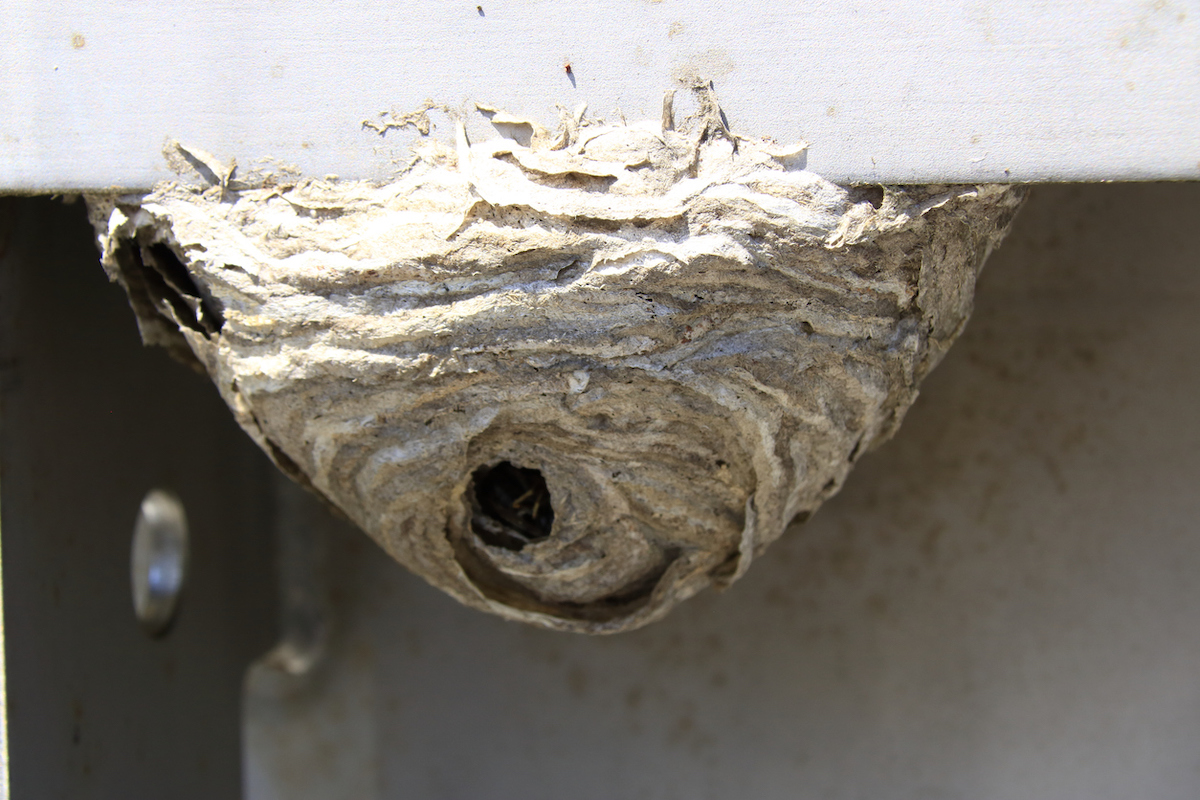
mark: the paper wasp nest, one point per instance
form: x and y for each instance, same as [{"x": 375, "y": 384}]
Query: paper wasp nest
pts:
[{"x": 571, "y": 381}]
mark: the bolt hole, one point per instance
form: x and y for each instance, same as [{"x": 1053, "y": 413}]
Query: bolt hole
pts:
[
  {"x": 512, "y": 506},
  {"x": 158, "y": 560}
]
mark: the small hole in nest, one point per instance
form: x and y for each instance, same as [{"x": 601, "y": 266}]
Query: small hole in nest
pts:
[
  {"x": 512, "y": 506},
  {"x": 868, "y": 194}
]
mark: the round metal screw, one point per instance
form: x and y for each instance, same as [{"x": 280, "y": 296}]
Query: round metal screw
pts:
[{"x": 158, "y": 560}]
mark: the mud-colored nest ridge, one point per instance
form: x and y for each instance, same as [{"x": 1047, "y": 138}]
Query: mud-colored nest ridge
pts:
[{"x": 571, "y": 380}]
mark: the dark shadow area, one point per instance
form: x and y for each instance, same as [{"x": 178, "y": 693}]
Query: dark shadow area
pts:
[
  {"x": 90, "y": 420},
  {"x": 512, "y": 506}
]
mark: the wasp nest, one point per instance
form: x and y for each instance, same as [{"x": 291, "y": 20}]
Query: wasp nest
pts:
[{"x": 569, "y": 380}]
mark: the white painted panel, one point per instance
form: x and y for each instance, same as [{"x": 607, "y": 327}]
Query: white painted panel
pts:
[{"x": 917, "y": 91}]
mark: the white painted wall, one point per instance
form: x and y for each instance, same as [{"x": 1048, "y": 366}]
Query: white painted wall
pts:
[
  {"x": 937, "y": 90},
  {"x": 1001, "y": 604}
]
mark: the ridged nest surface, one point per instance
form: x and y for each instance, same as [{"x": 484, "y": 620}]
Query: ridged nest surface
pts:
[{"x": 571, "y": 381}]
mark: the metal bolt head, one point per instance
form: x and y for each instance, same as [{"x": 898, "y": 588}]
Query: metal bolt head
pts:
[{"x": 158, "y": 560}]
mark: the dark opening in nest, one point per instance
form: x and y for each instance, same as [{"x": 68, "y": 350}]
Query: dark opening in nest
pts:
[{"x": 512, "y": 506}]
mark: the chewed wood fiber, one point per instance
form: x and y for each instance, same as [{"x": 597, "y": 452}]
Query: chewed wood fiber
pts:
[{"x": 569, "y": 379}]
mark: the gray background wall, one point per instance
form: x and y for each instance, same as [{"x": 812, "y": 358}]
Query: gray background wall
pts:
[{"x": 1003, "y": 602}]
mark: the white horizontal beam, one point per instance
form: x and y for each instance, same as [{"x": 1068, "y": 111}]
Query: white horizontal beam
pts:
[{"x": 915, "y": 91}]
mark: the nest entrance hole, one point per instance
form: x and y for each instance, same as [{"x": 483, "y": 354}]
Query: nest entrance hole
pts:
[{"x": 511, "y": 506}]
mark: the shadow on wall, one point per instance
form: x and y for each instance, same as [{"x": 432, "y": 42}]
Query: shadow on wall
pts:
[{"x": 1000, "y": 604}]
